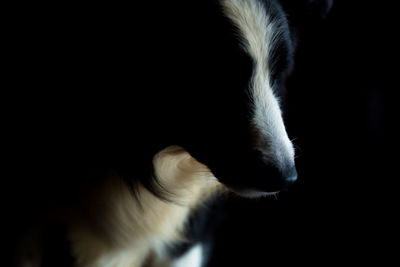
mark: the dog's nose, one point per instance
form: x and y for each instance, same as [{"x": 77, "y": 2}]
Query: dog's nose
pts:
[
  {"x": 276, "y": 175},
  {"x": 289, "y": 175},
  {"x": 280, "y": 177}
]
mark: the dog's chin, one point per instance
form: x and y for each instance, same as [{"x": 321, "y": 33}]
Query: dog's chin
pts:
[{"x": 252, "y": 193}]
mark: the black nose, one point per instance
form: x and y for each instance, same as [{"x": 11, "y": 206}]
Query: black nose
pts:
[
  {"x": 271, "y": 175},
  {"x": 289, "y": 175},
  {"x": 277, "y": 177}
]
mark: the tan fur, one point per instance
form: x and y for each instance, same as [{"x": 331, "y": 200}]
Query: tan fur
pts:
[{"x": 115, "y": 229}]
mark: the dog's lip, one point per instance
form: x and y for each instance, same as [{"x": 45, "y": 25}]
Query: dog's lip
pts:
[{"x": 252, "y": 193}]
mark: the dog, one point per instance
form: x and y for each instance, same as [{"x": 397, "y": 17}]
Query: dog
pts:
[{"x": 156, "y": 110}]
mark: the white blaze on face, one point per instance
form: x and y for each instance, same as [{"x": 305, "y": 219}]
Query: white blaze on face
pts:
[{"x": 259, "y": 33}]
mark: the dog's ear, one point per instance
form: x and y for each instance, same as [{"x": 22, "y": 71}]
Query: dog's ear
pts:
[{"x": 307, "y": 9}]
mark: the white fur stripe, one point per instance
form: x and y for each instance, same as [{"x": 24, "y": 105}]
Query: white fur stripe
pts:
[{"x": 259, "y": 34}]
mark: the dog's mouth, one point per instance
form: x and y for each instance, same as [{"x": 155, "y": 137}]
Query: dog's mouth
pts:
[
  {"x": 252, "y": 193},
  {"x": 248, "y": 177}
]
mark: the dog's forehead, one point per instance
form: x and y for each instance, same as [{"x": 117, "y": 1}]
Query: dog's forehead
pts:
[
  {"x": 195, "y": 43},
  {"x": 214, "y": 54}
]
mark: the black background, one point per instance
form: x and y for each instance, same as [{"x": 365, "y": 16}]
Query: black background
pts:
[{"x": 342, "y": 209}]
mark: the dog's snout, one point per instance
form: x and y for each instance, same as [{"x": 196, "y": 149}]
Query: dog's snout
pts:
[
  {"x": 257, "y": 173},
  {"x": 278, "y": 174}
]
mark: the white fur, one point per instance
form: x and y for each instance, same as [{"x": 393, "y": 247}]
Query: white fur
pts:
[
  {"x": 259, "y": 34},
  {"x": 192, "y": 258}
]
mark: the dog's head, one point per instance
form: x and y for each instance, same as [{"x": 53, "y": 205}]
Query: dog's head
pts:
[
  {"x": 233, "y": 117},
  {"x": 215, "y": 76}
]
